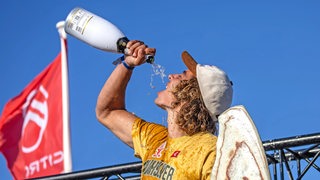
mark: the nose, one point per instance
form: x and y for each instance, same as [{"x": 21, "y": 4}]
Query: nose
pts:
[{"x": 173, "y": 76}]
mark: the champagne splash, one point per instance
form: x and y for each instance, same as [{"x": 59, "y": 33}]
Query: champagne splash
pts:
[{"x": 158, "y": 70}]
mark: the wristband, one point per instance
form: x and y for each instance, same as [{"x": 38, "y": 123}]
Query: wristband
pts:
[{"x": 125, "y": 64}]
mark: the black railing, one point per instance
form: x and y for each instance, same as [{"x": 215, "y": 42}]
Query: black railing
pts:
[{"x": 279, "y": 153}]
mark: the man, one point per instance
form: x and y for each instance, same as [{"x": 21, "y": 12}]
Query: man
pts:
[{"x": 185, "y": 149}]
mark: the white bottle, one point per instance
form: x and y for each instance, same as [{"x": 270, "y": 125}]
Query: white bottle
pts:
[{"x": 97, "y": 32}]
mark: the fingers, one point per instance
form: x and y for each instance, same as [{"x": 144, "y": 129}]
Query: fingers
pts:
[
  {"x": 137, "y": 48},
  {"x": 134, "y": 46},
  {"x": 150, "y": 51},
  {"x": 137, "y": 52},
  {"x": 132, "y": 42}
]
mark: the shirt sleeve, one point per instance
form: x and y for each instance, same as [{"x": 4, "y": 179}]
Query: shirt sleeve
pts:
[{"x": 145, "y": 135}]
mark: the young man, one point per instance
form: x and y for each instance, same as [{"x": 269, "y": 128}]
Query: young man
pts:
[{"x": 185, "y": 149}]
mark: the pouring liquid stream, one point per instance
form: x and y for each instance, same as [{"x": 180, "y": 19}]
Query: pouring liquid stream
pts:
[{"x": 157, "y": 70}]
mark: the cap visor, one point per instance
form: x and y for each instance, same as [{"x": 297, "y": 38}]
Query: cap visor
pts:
[{"x": 189, "y": 62}]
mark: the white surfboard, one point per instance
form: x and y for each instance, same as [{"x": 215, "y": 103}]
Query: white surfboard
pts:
[{"x": 240, "y": 154}]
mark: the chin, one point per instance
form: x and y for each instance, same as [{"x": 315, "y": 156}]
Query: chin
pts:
[
  {"x": 159, "y": 104},
  {"x": 164, "y": 99},
  {"x": 162, "y": 106}
]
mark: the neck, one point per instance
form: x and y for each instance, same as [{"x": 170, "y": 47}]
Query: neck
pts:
[{"x": 173, "y": 129}]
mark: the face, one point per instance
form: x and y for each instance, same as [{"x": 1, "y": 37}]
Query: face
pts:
[{"x": 165, "y": 97}]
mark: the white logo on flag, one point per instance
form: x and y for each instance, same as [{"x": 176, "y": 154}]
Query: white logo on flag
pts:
[{"x": 38, "y": 113}]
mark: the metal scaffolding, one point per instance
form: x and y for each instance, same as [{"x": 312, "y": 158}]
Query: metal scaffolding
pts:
[{"x": 279, "y": 153}]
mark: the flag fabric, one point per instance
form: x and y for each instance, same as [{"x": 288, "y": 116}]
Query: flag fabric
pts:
[{"x": 31, "y": 126}]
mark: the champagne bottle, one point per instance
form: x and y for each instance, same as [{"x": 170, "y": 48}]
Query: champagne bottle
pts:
[{"x": 97, "y": 32}]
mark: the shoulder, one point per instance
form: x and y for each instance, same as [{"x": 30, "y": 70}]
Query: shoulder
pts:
[
  {"x": 204, "y": 140},
  {"x": 198, "y": 142},
  {"x": 205, "y": 137},
  {"x": 146, "y": 130},
  {"x": 142, "y": 124}
]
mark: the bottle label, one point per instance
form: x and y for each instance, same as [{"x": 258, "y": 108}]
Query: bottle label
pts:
[{"x": 79, "y": 20}]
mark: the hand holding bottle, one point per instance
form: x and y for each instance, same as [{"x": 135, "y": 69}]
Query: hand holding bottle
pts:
[{"x": 137, "y": 52}]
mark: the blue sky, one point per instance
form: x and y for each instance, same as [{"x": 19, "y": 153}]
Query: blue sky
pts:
[{"x": 270, "y": 50}]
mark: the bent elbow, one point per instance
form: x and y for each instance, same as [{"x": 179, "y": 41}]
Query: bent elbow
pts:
[{"x": 102, "y": 114}]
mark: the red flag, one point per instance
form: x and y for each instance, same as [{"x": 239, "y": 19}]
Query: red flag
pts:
[{"x": 31, "y": 127}]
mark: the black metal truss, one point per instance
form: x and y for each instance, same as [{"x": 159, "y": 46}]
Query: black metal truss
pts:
[{"x": 279, "y": 153}]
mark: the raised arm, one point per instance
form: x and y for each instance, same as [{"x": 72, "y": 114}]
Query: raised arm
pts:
[{"x": 110, "y": 108}]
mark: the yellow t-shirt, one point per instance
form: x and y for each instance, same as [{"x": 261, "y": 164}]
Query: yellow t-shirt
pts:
[{"x": 183, "y": 158}]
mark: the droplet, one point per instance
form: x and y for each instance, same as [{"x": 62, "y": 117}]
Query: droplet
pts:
[{"x": 158, "y": 70}]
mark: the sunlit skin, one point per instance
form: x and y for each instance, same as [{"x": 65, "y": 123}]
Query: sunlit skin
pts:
[
  {"x": 165, "y": 97},
  {"x": 110, "y": 108}
]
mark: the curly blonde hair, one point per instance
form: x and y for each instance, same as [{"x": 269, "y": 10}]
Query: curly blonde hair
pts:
[{"x": 193, "y": 116}]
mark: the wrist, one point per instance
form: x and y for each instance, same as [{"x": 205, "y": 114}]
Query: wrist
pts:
[{"x": 125, "y": 64}]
